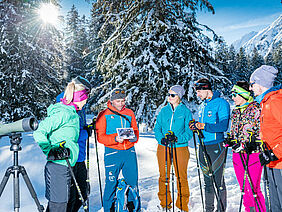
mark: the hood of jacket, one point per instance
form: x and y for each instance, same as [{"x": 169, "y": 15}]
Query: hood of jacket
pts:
[{"x": 58, "y": 107}]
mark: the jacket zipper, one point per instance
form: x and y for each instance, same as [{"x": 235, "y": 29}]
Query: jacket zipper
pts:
[
  {"x": 123, "y": 127},
  {"x": 171, "y": 119}
]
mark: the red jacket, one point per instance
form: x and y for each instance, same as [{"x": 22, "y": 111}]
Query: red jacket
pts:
[
  {"x": 106, "y": 125},
  {"x": 271, "y": 124}
]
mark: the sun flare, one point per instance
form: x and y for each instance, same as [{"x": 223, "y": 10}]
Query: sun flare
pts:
[{"x": 49, "y": 13}]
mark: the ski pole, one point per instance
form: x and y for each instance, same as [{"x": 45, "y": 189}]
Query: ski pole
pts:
[
  {"x": 98, "y": 166},
  {"x": 249, "y": 179},
  {"x": 266, "y": 184},
  {"x": 85, "y": 207},
  {"x": 87, "y": 167},
  {"x": 244, "y": 181},
  {"x": 198, "y": 168},
  {"x": 209, "y": 164},
  {"x": 178, "y": 177},
  {"x": 172, "y": 175},
  {"x": 166, "y": 178}
]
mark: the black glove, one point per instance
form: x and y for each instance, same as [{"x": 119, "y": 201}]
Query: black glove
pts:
[
  {"x": 251, "y": 146},
  {"x": 165, "y": 142},
  {"x": 238, "y": 147},
  {"x": 170, "y": 136},
  {"x": 89, "y": 128},
  {"x": 192, "y": 125},
  {"x": 266, "y": 157},
  {"x": 59, "y": 153},
  {"x": 229, "y": 142}
]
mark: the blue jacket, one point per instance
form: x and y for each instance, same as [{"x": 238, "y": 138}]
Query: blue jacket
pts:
[
  {"x": 215, "y": 113},
  {"x": 83, "y": 135},
  {"x": 177, "y": 121}
]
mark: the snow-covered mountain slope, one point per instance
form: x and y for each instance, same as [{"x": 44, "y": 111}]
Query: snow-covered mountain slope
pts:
[
  {"x": 266, "y": 39},
  {"x": 243, "y": 40}
]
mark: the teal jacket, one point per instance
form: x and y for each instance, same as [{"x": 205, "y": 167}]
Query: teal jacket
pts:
[
  {"x": 61, "y": 124},
  {"x": 177, "y": 121}
]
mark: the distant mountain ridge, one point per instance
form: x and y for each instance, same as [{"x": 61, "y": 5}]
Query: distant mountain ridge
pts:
[
  {"x": 239, "y": 43},
  {"x": 264, "y": 41}
]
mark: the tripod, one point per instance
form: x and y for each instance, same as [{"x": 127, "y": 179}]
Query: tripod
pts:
[{"x": 16, "y": 170}]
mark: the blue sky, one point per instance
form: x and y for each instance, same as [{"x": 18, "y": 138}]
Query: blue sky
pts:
[
  {"x": 235, "y": 18},
  {"x": 232, "y": 18}
]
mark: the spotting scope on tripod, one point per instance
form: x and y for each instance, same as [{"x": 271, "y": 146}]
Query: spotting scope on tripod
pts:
[{"x": 13, "y": 131}]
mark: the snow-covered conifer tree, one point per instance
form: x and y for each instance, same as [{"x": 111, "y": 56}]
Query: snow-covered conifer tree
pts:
[
  {"x": 255, "y": 60},
  {"x": 242, "y": 71},
  {"x": 76, "y": 43},
  {"x": 224, "y": 62},
  {"x": 154, "y": 45},
  {"x": 30, "y": 61},
  {"x": 277, "y": 59}
]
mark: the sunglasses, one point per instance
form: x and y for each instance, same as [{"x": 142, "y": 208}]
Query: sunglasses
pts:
[
  {"x": 252, "y": 83},
  {"x": 201, "y": 86},
  {"x": 234, "y": 94},
  {"x": 118, "y": 91},
  {"x": 172, "y": 95},
  {"x": 87, "y": 91}
]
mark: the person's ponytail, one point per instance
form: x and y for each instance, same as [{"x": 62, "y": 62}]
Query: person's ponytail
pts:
[{"x": 68, "y": 96}]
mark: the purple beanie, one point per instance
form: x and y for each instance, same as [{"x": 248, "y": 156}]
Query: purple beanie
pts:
[
  {"x": 179, "y": 90},
  {"x": 264, "y": 76}
]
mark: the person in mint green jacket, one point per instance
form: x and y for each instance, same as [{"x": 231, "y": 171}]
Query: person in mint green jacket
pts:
[
  {"x": 57, "y": 136},
  {"x": 173, "y": 122}
]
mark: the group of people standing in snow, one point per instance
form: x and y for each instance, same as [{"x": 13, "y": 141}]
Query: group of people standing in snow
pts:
[{"x": 255, "y": 136}]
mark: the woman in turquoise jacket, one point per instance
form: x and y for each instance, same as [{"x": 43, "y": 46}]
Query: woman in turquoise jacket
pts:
[
  {"x": 57, "y": 136},
  {"x": 173, "y": 126}
]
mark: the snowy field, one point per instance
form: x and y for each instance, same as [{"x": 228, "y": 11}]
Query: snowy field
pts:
[{"x": 33, "y": 160}]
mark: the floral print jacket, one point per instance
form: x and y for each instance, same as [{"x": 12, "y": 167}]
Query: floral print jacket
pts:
[{"x": 247, "y": 120}]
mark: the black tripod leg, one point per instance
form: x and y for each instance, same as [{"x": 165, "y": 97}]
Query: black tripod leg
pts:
[
  {"x": 31, "y": 189},
  {"x": 5, "y": 180},
  {"x": 16, "y": 189}
]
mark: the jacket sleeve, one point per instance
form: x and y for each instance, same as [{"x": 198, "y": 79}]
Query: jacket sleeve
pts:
[
  {"x": 101, "y": 126},
  {"x": 48, "y": 125},
  {"x": 232, "y": 133},
  {"x": 158, "y": 128},
  {"x": 276, "y": 137},
  {"x": 223, "y": 113},
  {"x": 187, "y": 134}
]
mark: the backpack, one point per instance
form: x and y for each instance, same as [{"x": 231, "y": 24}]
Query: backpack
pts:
[{"x": 125, "y": 192}]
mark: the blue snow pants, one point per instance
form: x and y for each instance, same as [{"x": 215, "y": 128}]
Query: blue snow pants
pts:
[{"x": 115, "y": 161}]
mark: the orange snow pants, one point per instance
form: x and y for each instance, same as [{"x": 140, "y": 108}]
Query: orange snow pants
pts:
[{"x": 181, "y": 155}]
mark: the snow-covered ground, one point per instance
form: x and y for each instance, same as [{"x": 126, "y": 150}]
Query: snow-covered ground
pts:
[{"x": 33, "y": 160}]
